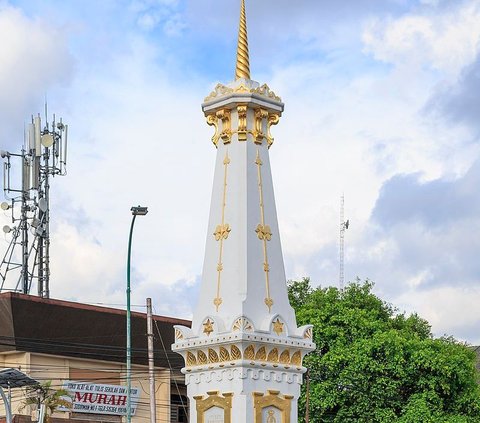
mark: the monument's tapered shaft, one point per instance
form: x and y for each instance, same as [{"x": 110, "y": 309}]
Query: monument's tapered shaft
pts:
[{"x": 244, "y": 352}]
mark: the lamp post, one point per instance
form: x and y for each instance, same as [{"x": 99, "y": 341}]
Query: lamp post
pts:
[{"x": 136, "y": 211}]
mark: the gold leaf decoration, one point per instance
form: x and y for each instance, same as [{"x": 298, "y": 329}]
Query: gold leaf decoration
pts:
[
  {"x": 212, "y": 356},
  {"x": 236, "y": 353},
  {"x": 249, "y": 353},
  {"x": 224, "y": 355},
  {"x": 273, "y": 356},
  {"x": 191, "y": 359},
  {"x": 202, "y": 358},
  {"x": 178, "y": 334},
  {"x": 285, "y": 357},
  {"x": 296, "y": 358},
  {"x": 261, "y": 354}
]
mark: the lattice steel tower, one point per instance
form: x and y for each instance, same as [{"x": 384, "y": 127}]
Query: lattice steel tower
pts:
[
  {"x": 344, "y": 224},
  {"x": 43, "y": 156}
]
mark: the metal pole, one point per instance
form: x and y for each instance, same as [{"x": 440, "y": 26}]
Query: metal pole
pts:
[
  {"x": 46, "y": 235},
  {"x": 307, "y": 400},
  {"x": 8, "y": 410},
  {"x": 136, "y": 211},
  {"x": 129, "y": 338},
  {"x": 24, "y": 226},
  {"x": 151, "y": 364}
]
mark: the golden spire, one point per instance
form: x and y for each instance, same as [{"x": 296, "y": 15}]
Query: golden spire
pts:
[{"x": 242, "y": 69}]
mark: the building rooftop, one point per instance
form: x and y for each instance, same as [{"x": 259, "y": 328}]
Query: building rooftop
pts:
[{"x": 34, "y": 324}]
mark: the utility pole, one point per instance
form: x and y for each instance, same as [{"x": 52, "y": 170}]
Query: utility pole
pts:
[
  {"x": 151, "y": 363},
  {"x": 307, "y": 399}
]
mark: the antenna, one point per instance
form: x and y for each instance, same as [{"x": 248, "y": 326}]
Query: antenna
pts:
[
  {"x": 43, "y": 155},
  {"x": 344, "y": 224}
]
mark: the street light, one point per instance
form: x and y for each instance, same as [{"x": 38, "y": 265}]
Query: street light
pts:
[{"x": 136, "y": 211}]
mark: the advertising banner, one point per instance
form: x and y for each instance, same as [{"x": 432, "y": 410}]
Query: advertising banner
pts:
[{"x": 100, "y": 399}]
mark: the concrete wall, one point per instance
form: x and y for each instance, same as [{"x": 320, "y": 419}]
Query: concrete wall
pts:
[{"x": 44, "y": 367}]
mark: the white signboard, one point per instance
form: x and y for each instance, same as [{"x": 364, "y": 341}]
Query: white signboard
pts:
[{"x": 100, "y": 399}]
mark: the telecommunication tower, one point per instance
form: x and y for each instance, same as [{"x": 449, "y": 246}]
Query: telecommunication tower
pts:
[
  {"x": 344, "y": 224},
  {"x": 43, "y": 156}
]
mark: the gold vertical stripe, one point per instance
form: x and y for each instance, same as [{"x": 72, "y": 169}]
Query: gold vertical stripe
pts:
[
  {"x": 225, "y": 229},
  {"x": 242, "y": 69},
  {"x": 263, "y": 236}
]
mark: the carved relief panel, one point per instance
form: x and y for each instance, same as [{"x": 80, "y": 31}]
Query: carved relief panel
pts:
[
  {"x": 214, "y": 408},
  {"x": 272, "y": 407}
]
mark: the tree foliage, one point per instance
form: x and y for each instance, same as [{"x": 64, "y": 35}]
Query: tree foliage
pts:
[
  {"x": 44, "y": 394},
  {"x": 373, "y": 364}
]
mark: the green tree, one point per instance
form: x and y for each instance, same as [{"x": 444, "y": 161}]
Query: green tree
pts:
[
  {"x": 44, "y": 394},
  {"x": 373, "y": 364}
]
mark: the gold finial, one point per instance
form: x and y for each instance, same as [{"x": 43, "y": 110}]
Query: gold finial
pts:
[{"x": 242, "y": 69}]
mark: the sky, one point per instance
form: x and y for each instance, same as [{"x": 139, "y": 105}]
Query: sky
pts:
[{"x": 381, "y": 105}]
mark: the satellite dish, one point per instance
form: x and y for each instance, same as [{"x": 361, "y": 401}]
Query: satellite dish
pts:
[
  {"x": 7, "y": 229},
  {"x": 47, "y": 140},
  {"x": 42, "y": 204},
  {"x": 5, "y": 205}
]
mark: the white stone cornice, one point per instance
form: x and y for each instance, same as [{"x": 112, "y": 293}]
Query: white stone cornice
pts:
[
  {"x": 243, "y": 374},
  {"x": 235, "y": 99}
]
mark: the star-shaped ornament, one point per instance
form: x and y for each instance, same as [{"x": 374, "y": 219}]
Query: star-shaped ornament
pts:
[
  {"x": 208, "y": 327},
  {"x": 278, "y": 326}
]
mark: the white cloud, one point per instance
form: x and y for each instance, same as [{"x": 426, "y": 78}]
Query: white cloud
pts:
[
  {"x": 137, "y": 136},
  {"x": 154, "y": 13},
  {"x": 450, "y": 310},
  {"x": 34, "y": 57},
  {"x": 447, "y": 41}
]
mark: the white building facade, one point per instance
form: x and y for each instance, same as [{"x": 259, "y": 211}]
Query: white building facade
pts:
[{"x": 244, "y": 352}]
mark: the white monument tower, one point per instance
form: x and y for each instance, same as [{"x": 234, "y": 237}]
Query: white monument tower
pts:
[{"x": 243, "y": 354}]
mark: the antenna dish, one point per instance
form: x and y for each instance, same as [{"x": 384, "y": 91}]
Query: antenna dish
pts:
[
  {"x": 5, "y": 206},
  {"x": 42, "y": 204},
  {"x": 47, "y": 140},
  {"x": 7, "y": 229}
]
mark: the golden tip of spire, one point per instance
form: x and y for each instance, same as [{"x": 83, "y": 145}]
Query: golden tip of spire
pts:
[{"x": 242, "y": 69}]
